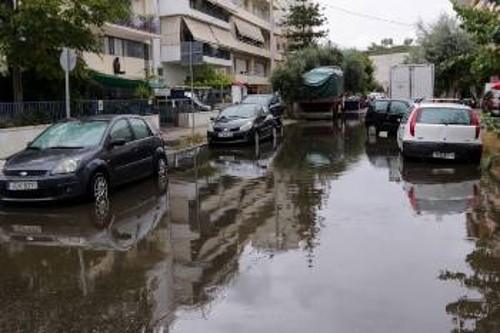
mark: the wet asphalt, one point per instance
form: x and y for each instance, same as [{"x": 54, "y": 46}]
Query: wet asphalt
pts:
[{"x": 326, "y": 231}]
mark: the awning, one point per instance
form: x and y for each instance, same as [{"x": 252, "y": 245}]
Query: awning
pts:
[
  {"x": 224, "y": 37},
  {"x": 115, "y": 81},
  {"x": 249, "y": 31},
  {"x": 201, "y": 32}
]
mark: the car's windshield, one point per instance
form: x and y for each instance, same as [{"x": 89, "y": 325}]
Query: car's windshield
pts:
[
  {"x": 257, "y": 99},
  {"x": 445, "y": 116},
  {"x": 69, "y": 135},
  {"x": 239, "y": 111}
]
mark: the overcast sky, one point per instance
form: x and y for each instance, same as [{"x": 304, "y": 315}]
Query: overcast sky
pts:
[{"x": 348, "y": 30}]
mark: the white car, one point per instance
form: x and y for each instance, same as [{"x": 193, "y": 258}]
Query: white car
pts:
[{"x": 440, "y": 131}]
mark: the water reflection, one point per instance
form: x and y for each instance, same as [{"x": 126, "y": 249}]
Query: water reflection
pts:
[
  {"x": 85, "y": 268},
  {"x": 479, "y": 310}
]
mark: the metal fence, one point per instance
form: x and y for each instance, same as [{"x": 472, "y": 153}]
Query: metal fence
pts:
[{"x": 38, "y": 113}]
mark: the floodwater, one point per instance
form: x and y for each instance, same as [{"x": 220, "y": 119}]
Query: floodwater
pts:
[{"x": 327, "y": 231}]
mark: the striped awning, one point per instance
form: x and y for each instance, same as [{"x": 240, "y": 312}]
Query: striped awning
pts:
[
  {"x": 201, "y": 31},
  {"x": 248, "y": 30}
]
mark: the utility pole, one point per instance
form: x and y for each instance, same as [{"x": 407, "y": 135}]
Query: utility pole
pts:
[{"x": 191, "y": 73}]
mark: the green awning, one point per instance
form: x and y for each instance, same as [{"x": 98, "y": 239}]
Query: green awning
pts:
[{"x": 116, "y": 81}]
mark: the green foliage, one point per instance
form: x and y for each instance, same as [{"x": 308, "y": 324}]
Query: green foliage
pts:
[
  {"x": 491, "y": 124},
  {"x": 303, "y": 25},
  {"x": 358, "y": 72},
  {"x": 287, "y": 79},
  {"x": 451, "y": 49},
  {"x": 34, "y": 32},
  {"x": 208, "y": 76},
  {"x": 143, "y": 91},
  {"x": 484, "y": 26}
]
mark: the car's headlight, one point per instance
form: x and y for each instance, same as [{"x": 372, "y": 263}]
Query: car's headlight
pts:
[
  {"x": 247, "y": 126},
  {"x": 66, "y": 166}
]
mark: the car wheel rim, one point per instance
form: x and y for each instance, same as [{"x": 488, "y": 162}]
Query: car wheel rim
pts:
[{"x": 100, "y": 187}]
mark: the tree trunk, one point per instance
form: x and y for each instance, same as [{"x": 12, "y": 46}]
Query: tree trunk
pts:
[{"x": 17, "y": 84}]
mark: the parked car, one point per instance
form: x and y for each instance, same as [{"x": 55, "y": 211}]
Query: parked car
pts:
[
  {"x": 443, "y": 101},
  {"x": 441, "y": 131},
  {"x": 270, "y": 101},
  {"x": 81, "y": 157},
  {"x": 384, "y": 116},
  {"x": 242, "y": 123}
]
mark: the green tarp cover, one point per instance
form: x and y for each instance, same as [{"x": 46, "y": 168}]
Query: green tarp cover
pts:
[
  {"x": 116, "y": 81},
  {"x": 324, "y": 83}
]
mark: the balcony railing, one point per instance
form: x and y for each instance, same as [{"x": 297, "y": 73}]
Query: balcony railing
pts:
[{"x": 147, "y": 23}]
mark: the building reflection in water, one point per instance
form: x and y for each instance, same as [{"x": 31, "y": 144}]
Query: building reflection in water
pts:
[{"x": 129, "y": 264}]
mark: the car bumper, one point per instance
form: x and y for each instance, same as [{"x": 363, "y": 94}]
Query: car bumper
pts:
[
  {"x": 50, "y": 188},
  {"x": 428, "y": 150},
  {"x": 237, "y": 137}
]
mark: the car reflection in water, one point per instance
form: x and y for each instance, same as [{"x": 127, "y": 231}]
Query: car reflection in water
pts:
[
  {"x": 114, "y": 224},
  {"x": 440, "y": 189},
  {"x": 245, "y": 163}
]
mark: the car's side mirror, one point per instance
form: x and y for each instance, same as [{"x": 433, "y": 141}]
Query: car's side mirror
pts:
[{"x": 117, "y": 143}]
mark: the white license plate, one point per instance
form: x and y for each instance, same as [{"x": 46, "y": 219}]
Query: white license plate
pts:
[
  {"x": 27, "y": 229},
  {"x": 444, "y": 156},
  {"x": 383, "y": 134},
  {"x": 23, "y": 186},
  {"x": 225, "y": 135}
]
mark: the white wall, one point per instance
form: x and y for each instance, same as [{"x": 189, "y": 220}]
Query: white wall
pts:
[
  {"x": 175, "y": 75},
  {"x": 15, "y": 139},
  {"x": 383, "y": 63}
]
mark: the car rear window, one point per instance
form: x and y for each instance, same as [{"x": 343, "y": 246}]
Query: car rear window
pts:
[
  {"x": 445, "y": 116},
  {"x": 380, "y": 106}
]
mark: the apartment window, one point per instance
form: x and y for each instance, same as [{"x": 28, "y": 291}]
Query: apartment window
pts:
[
  {"x": 241, "y": 66},
  {"x": 135, "y": 49},
  {"x": 213, "y": 52},
  {"x": 260, "y": 68},
  {"x": 209, "y": 8}
]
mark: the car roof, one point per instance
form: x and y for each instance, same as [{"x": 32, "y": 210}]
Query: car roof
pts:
[
  {"x": 103, "y": 117},
  {"x": 444, "y": 106}
]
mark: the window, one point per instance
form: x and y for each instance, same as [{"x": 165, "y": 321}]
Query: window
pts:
[
  {"x": 74, "y": 134},
  {"x": 444, "y": 116},
  {"x": 398, "y": 107},
  {"x": 135, "y": 49},
  {"x": 141, "y": 129},
  {"x": 380, "y": 106},
  {"x": 121, "y": 131}
]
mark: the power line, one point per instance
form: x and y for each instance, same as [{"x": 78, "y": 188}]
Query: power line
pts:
[{"x": 371, "y": 17}]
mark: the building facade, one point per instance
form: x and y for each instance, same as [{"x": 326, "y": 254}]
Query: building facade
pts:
[{"x": 238, "y": 37}]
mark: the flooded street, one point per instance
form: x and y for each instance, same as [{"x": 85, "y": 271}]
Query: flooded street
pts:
[{"x": 327, "y": 231}]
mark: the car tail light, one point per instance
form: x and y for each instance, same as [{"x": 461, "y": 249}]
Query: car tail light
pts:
[
  {"x": 474, "y": 120},
  {"x": 413, "y": 121}
]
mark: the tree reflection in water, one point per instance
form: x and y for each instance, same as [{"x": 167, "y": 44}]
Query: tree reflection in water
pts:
[{"x": 480, "y": 314}]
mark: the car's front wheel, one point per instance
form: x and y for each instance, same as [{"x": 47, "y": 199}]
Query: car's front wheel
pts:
[{"x": 99, "y": 187}]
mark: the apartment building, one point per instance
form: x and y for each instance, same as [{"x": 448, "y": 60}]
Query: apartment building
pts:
[
  {"x": 130, "y": 51},
  {"x": 239, "y": 37}
]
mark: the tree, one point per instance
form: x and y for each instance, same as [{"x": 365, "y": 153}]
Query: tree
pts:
[
  {"x": 303, "y": 25},
  {"x": 484, "y": 27},
  {"x": 446, "y": 45},
  {"x": 33, "y": 33},
  {"x": 208, "y": 76},
  {"x": 358, "y": 72},
  {"x": 287, "y": 79}
]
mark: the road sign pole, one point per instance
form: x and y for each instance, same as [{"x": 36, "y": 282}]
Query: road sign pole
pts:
[{"x": 68, "y": 107}]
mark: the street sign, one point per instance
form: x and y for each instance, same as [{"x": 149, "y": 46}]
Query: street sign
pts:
[
  {"x": 191, "y": 53},
  {"x": 68, "y": 59}
]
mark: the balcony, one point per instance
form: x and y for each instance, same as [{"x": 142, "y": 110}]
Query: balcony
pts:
[{"x": 146, "y": 23}]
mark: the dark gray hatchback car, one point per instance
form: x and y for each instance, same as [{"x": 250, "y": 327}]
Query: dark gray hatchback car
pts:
[{"x": 80, "y": 157}]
